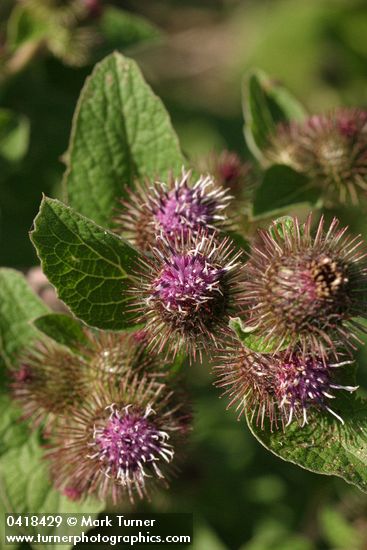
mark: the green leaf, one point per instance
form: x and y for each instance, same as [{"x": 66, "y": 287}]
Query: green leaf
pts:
[
  {"x": 63, "y": 329},
  {"x": 23, "y": 26},
  {"x": 13, "y": 433},
  {"x": 14, "y": 135},
  {"x": 121, "y": 131},
  {"x": 252, "y": 340},
  {"x": 25, "y": 486},
  {"x": 18, "y": 306},
  {"x": 266, "y": 104},
  {"x": 121, "y": 29},
  {"x": 325, "y": 445},
  {"x": 338, "y": 530},
  {"x": 89, "y": 266},
  {"x": 281, "y": 187}
]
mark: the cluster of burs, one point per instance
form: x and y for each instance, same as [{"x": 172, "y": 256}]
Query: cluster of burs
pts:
[{"x": 114, "y": 415}]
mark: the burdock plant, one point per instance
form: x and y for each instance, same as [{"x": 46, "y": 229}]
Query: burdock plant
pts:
[
  {"x": 231, "y": 172},
  {"x": 51, "y": 379},
  {"x": 48, "y": 381},
  {"x": 161, "y": 276},
  {"x": 330, "y": 148},
  {"x": 188, "y": 290},
  {"x": 305, "y": 288},
  {"x": 174, "y": 208},
  {"x": 282, "y": 387},
  {"x": 125, "y": 439}
]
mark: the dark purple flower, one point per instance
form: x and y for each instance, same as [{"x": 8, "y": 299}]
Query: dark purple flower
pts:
[
  {"x": 279, "y": 388},
  {"x": 188, "y": 292},
  {"x": 307, "y": 289},
  {"x": 175, "y": 209},
  {"x": 304, "y": 382},
  {"x": 129, "y": 443},
  {"x": 124, "y": 439}
]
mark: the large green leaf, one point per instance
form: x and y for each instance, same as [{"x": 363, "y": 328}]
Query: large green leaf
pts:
[
  {"x": 121, "y": 131},
  {"x": 90, "y": 267},
  {"x": 18, "y": 306},
  {"x": 266, "y": 104},
  {"x": 281, "y": 187},
  {"x": 325, "y": 445}
]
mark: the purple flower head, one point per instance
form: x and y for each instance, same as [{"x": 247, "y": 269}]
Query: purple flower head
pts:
[
  {"x": 279, "y": 388},
  {"x": 301, "y": 383},
  {"x": 175, "y": 209},
  {"x": 187, "y": 281},
  {"x": 330, "y": 148},
  {"x": 189, "y": 291},
  {"x": 232, "y": 173},
  {"x": 123, "y": 440},
  {"x": 129, "y": 443},
  {"x": 307, "y": 289}
]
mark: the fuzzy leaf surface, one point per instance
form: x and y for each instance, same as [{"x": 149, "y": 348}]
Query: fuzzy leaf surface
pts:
[
  {"x": 19, "y": 305},
  {"x": 325, "y": 445},
  {"x": 89, "y": 266},
  {"x": 121, "y": 131}
]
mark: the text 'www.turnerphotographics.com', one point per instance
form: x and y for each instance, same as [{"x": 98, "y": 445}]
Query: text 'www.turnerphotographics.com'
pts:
[{"x": 129, "y": 529}]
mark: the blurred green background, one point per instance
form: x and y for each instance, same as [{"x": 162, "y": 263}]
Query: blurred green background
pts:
[{"x": 194, "y": 54}]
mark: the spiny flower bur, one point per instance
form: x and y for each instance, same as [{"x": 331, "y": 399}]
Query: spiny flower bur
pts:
[
  {"x": 305, "y": 382},
  {"x": 247, "y": 384},
  {"x": 51, "y": 378},
  {"x": 115, "y": 353},
  {"x": 307, "y": 289},
  {"x": 282, "y": 388},
  {"x": 188, "y": 291},
  {"x": 231, "y": 172},
  {"x": 174, "y": 208},
  {"x": 122, "y": 442},
  {"x": 331, "y": 148}
]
